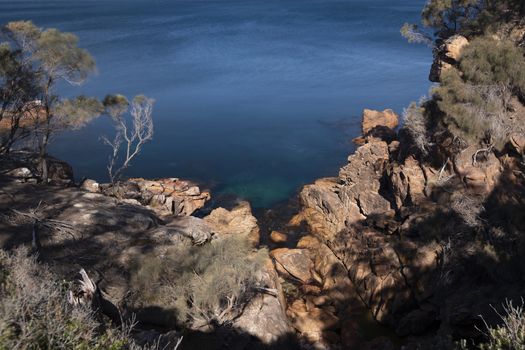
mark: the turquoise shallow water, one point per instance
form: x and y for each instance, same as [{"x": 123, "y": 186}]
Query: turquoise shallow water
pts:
[{"x": 253, "y": 98}]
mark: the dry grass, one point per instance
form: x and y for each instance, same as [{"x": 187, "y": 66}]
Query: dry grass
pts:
[
  {"x": 207, "y": 284},
  {"x": 468, "y": 208},
  {"x": 35, "y": 314}
]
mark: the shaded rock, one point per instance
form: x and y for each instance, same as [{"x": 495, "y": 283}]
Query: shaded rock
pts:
[
  {"x": 372, "y": 203},
  {"x": 90, "y": 186},
  {"x": 264, "y": 317},
  {"x": 238, "y": 221},
  {"x": 190, "y": 227},
  {"x": 20, "y": 173},
  {"x": 312, "y": 322},
  {"x": 408, "y": 182},
  {"x": 293, "y": 262},
  {"x": 365, "y": 167},
  {"x": 482, "y": 175},
  {"x": 165, "y": 196},
  {"x": 416, "y": 322},
  {"x": 517, "y": 141},
  {"x": 326, "y": 210},
  {"x": 59, "y": 172},
  {"x": 330, "y": 205},
  {"x": 380, "y": 343}
]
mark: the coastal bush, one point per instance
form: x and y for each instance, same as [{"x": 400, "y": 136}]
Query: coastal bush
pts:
[
  {"x": 470, "y": 18},
  {"x": 35, "y": 314},
  {"x": 201, "y": 284},
  {"x": 476, "y": 97}
]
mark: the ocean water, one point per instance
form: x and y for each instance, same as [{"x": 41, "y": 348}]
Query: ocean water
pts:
[{"x": 253, "y": 97}]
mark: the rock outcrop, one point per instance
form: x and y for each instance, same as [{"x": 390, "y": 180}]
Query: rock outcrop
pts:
[
  {"x": 446, "y": 55},
  {"x": 379, "y": 236},
  {"x": 165, "y": 196},
  {"x": 109, "y": 236}
]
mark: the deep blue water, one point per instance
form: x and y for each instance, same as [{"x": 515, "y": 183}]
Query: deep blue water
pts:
[{"x": 253, "y": 97}]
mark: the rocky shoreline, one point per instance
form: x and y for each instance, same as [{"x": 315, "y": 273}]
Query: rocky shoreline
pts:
[
  {"x": 110, "y": 229},
  {"x": 357, "y": 262},
  {"x": 401, "y": 248}
]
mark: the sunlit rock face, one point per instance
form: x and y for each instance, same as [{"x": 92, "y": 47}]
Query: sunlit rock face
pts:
[{"x": 446, "y": 55}]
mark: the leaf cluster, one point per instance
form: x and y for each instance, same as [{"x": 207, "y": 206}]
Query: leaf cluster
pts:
[{"x": 476, "y": 97}]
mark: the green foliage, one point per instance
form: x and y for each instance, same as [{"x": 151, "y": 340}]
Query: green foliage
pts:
[
  {"x": 116, "y": 105},
  {"x": 48, "y": 56},
  {"x": 60, "y": 58},
  {"x": 77, "y": 112},
  {"x": 34, "y": 312},
  {"x": 486, "y": 61},
  {"x": 469, "y": 18},
  {"x": 449, "y": 16},
  {"x": 18, "y": 87},
  {"x": 476, "y": 97},
  {"x": 208, "y": 283},
  {"x": 414, "y": 35}
]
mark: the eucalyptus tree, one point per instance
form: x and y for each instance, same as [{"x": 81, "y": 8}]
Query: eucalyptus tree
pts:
[
  {"x": 52, "y": 57},
  {"x": 18, "y": 89}
]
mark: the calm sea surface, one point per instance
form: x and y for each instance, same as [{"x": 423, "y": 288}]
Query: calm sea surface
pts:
[{"x": 253, "y": 97}]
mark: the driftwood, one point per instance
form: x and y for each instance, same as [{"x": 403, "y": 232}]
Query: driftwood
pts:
[{"x": 88, "y": 293}]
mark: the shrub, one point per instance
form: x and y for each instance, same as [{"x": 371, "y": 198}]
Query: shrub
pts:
[
  {"x": 35, "y": 314},
  {"x": 416, "y": 124},
  {"x": 476, "y": 97},
  {"x": 209, "y": 283},
  {"x": 510, "y": 335},
  {"x": 468, "y": 208}
]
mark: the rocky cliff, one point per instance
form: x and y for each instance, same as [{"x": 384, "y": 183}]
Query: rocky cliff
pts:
[{"x": 424, "y": 244}]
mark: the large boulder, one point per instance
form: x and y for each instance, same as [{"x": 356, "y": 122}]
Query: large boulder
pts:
[
  {"x": 454, "y": 47},
  {"x": 295, "y": 263},
  {"x": 379, "y": 125},
  {"x": 237, "y": 221},
  {"x": 264, "y": 317},
  {"x": 90, "y": 185}
]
